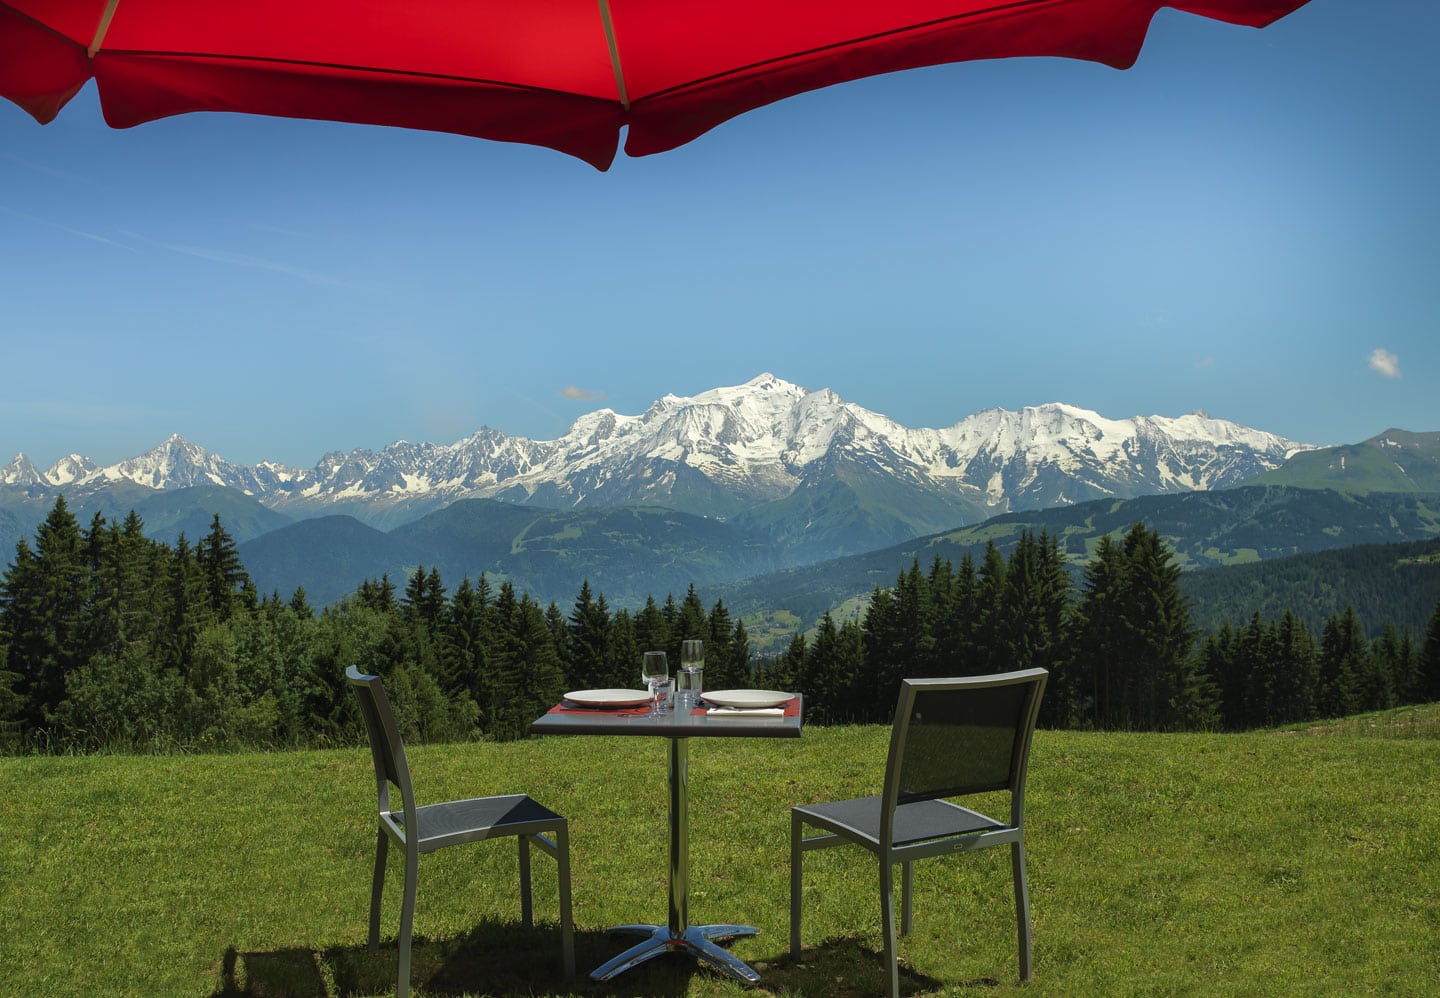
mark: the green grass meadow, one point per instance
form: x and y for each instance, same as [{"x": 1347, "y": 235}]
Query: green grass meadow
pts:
[{"x": 1299, "y": 862}]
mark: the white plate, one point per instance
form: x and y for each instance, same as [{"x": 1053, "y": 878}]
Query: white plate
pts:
[
  {"x": 608, "y": 698},
  {"x": 747, "y": 698}
]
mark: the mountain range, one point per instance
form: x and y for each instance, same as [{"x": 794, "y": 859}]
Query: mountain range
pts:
[
  {"x": 743, "y": 482},
  {"x": 811, "y": 473}
]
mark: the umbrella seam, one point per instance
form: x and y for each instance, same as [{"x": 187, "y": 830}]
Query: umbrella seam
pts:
[
  {"x": 1003, "y": 9},
  {"x": 373, "y": 70}
]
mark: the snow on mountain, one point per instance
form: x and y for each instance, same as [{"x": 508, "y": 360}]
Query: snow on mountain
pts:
[
  {"x": 729, "y": 449},
  {"x": 20, "y": 472},
  {"x": 69, "y": 469}
]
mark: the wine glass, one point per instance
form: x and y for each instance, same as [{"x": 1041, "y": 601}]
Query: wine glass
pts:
[{"x": 655, "y": 672}]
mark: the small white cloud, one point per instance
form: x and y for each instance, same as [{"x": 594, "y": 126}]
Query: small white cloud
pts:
[
  {"x": 580, "y": 394},
  {"x": 1385, "y": 363},
  {"x": 1205, "y": 364}
]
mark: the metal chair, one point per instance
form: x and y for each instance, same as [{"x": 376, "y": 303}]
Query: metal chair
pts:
[
  {"x": 951, "y": 738},
  {"x": 425, "y": 829}
]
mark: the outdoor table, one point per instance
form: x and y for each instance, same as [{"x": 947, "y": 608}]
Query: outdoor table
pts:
[{"x": 679, "y": 726}]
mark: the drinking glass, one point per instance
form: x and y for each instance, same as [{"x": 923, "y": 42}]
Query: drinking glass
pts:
[
  {"x": 689, "y": 681},
  {"x": 656, "y": 673}
]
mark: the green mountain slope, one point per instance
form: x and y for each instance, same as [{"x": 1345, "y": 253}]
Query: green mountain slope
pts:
[
  {"x": 626, "y": 553},
  {"x": 1399, "y": 583},
  {"x": 190, "y": 511},
  {"x": 1205, "y": 529},
  {"x": 848, "y": 508},
  {"x": 329, "y": 556},
  {"x": 1394, "y": 461}
]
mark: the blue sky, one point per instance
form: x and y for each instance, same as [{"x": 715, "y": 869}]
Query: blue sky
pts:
[{"x": 1247, "y": 222}]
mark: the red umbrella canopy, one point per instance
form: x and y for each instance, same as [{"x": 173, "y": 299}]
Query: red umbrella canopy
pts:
[{"x": 567, "y": 74}]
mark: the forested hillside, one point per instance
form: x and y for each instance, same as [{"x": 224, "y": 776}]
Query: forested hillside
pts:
[
  {"x": 109, "y": 639},
  {"x": 1204, "y": 530},
  {"x": 1395, "y": 583}
]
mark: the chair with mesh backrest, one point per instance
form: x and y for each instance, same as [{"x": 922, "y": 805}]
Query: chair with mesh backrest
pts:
[
  {"x": 951, "y": 738},
  {"x": 425, "y": 829}
]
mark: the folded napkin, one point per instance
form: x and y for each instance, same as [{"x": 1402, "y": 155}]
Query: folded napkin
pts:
[{"x": 746, "y": 712}]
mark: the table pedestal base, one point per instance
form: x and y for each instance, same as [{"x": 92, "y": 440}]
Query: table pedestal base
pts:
[{"x": 697, "y": 940}]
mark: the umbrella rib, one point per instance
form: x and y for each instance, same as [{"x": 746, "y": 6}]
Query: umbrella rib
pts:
[
  {"x": 614, "y": 53},
  {"x": 1002, "y": 9},
  {"x": 266, "y": 62},
  {"x": 102, "y": 28}
]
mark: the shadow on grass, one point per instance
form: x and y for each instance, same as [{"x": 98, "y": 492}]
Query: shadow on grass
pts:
[
  {"x": 505, "y": 958},
  {"x": 843, "y": 967}
]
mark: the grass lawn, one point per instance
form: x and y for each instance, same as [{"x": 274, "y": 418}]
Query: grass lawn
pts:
[{"x": 1272, "y": 863}]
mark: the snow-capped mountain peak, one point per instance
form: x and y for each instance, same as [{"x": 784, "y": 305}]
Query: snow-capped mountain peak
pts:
[
  {"x": 731, "y": 449},
  {"x": 20, "y": 472}
]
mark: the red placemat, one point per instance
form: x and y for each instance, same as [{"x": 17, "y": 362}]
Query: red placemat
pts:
[{"x": 565, "y": 708}]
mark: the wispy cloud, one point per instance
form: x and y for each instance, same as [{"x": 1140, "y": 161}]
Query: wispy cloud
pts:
[
  {"x": 245, "y": 261},
  {"x": 1205, "y": 363},
  {"x": 78, "y": 233},
  {"x": 580, "y": 394},
  {"x": 1385, "y": 363},
  {"x": 41, "y": 168}
]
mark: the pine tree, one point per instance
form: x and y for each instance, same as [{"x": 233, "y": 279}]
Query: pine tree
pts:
[
  {"x": 589, "y": 641},
  {"x": 1053, "y": 597},
  {"x": 623, "y": 652},
  {"x": 12, "y": 705},
  {"x": 1162, "y": 634},
  {"x": 819, "y": 677},
  {"x": 720, "y": 669},
  {"x": 743, "y": 669},
  {"x": 1428, "y": 670},
  {"x": 300, "y": 604},
  {"x": 652, "y": 630},
  {"x": 187, "y": 606},
  {"x": 1097, "y": 633},
  {"x": 464, "y": 634},
  {"x": 1133, "y": 637},
  {"x": 1293, "y": 681},
  {"x": 1378, "y": 675},
  {"x": 227, "y": 584},
  {"x": 691, "y": 623},
  {"x": 535, "y": 676},
  {"x": 1342, "y": 663},
  {"x": 992, "y": 635},
  {"x": 43, "y": 600}
]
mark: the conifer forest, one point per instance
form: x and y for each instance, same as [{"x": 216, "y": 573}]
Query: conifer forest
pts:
[{"x": 111, "y": 641}]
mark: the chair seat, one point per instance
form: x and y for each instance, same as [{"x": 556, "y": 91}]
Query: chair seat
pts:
[
  {"x": 478, "y": 818},
  {"x": 920, "y": 821}
]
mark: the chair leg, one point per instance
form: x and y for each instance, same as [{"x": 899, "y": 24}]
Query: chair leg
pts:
[
  {"x": 407, "y": 921},
  {"x": 527, "y": 911},
  {"x": 907, "y": 885},
  {"x": 797, "y": 830},
  {"x": 377, "y": 887},
  {"x": 567, "y": 919},
  {"x": 1022, "y": 907},
  {"x": 887, "y": 925}
]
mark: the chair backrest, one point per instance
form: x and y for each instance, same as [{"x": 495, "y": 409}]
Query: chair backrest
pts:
[
  {"x": 386, "y": 748},
  {"x": 953, "y": 737}
]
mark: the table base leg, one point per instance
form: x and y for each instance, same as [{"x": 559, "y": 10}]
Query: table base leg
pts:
[{"x": 697, "y": 940}]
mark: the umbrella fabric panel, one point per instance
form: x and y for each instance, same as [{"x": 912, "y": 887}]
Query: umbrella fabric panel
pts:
[{"x": 567, "y": 74}]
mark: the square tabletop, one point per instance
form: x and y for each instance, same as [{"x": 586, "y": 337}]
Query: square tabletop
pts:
[{"x": 564, "y": 719}]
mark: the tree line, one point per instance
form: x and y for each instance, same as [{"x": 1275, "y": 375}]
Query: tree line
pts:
[{"x": 111, "y": 640}]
